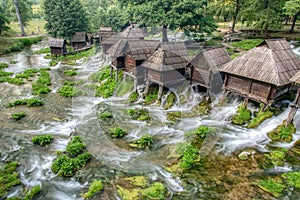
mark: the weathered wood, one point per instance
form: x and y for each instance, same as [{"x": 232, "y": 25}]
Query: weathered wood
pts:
[
  {"x": 160, "y": 92},
  {"x": 147, "y": 87}
]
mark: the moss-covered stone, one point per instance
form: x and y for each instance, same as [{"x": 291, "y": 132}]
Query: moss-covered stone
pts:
[
  {"x": 145, "y": 142},
  {"x": 277, "y": 156},
  {"x": 140, "y": 181},
  {"x": 293, "y": 179},
  {"x": 272, "y": 186},
  {"x": 140, "y": 114},
  {"x": 33, "y": 192},
  {"x": 171, "y": 100},
  {"x": 151, "y": 97},
  {"x": 156, "y": 191},
  {"x": 243, "y": 115},
  {"x": 18, "y": 116},
  {"x": 174, "y": 116},
  {"x": 42, "y": 139},
  {"x": 128, "y": 194},
  {"x": 283, "y": 133},
  {"x": 8, "y": 177},
  {"x": 95, "y": 187},
  {"x": 260, "y": 117}
]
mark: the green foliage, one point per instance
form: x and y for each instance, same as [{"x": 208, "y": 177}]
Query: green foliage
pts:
[
  {"x": 13, "y": 62},
  {"x": 42, "y": 139},
  {"x": 28, "y": 73},
  {"x": 38, "y": 89},
  {"x": 139, "y": 181},
  {"x": 260, "y": 117},
  {"x": 44, "y": 50},
  {"x": 156, "y": 191},
  {"x": 151, "y": 97},
  {"x": 171, "y": 99},
  {"x": 70, "y": 72},
  {"x": 95, "y": 187},
  {"x": 117, "y": 132},
  {"x": 271, "y": 186},
  {"x": 4, "y": 21},
  {"x": 100, "y": 76},
  {"x": 133, "y": 97},
  {"x": 243, "y": 115},
  {"x": 40, "y": 85},
  {"x": 32, "y": 102},
  {"x": 18, "y": 116},
  {"x": 247, "y": 44},
  {"x": 283, "y": 133},
  {"x": 5, "y": 74},
  {"x": 201, "y": 131},
  {"x": 293, "y": 179},
  {"x": 173, "y": 116},
  {"x": 190, "y": 156},
  {"x": 277, "y": 156},
  {"x": 106, "y": 89},
  {"x": 140, "y": 114},
  {"x": 75, "y": 146},
  {"x": 8, "y": 177},
  {"x": 70, "y": 83},
  {"x": 70, "y": 91},
  {"x": 106, "y": 115},
  {"x": 3, "y": 65},
  {"x": 33, "y": 192},
  {"x": 145, "y": 142}
]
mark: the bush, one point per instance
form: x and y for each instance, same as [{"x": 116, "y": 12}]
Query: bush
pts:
[
  {"x": 95, "y": 187},
  {"x": 42, "y": 139},
  {"x": 75, "y": 146},
  {"x": 18, "y": 116},
  {"x": 117, "y": 132},
  {"x": 145, "y": 142},
  {"x": 33, "y": 192}
]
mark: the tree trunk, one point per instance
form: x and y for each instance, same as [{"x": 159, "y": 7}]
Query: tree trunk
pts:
[
  {"x": 237, "y": 9},
  {"x": 19, "y": 17},
  {"x": 165, "y": 34},
  {"x": 294, "y": 22}
]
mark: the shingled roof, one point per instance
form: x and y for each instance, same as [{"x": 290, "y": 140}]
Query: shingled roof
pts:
[
  {"x": 56, "y": 42},
  {"x": 176, "y": 47},
  {"x": 105, "y": 29},
  {"x": 211, "y": 59},
  {"x": 79, "y": 37},
  {"x": 133, "y": 33},
  {"x": 272, "y": 62},
  {"x": 164, "y": 60},
  {"x": 296, "y": 78}
]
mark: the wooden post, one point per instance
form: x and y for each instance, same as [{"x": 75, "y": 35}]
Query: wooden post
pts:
[
  {"x": 160, "y": 92},
  {"x": 246, "y": 100},
  {"x": 291, "y": 115},
  {"x": 147, "y": 87},
  {"x": 223, "y": 98},
  {"x": 135, "y": 81}
]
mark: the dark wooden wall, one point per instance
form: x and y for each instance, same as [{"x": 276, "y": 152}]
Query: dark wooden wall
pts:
[{"x": 78, "y": 45}]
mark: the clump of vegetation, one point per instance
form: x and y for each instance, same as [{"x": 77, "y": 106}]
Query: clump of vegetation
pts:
[
  {"x": 19, "y": 44},
  {"x": 106, "y": 89},
  {"x": 201, "y": 131},
  {"x": 139, "y": 181},
  {"x": 283, "y": 133},
  {"x": 277, "y": 156},
  {"x": 189, "y": 157},
  {"x": 151, "y": 97},
  {"x": 70, "y": 72},
  {"x": 243, "y": 115},
  {"x": 293, "y": 179},
  {"x": 18, "y": 116},
  {"x": 3, "y": 65},
  {"x": 156, "y": 191},
  {"x": 139, "y": 114},
  {"x": 272, "y": 186},
  {"x": 133, "y": 97},
  {"x": 28, "y": 73},
  {"x": 42, "y": 83},
  {"x": 70, "y": 91},
  {"x": 42, "y": 139},
  {"x": 204, "y": 107},
  {"x": 64, "y": 165},
  {"x": 8, "y": 177},
  {"x": 44, "y": 50},
  {"x": 33, "y": 192},
  {"x": 171, "y": 99},
  {"x": 117, "y": 132},
  {"x": 70, "y": 83},
  {"x": 101, "y": 75},
  {"x": 106, "y": 115},
  {"x": 13, "y": 62},
  {"x": 173, "y": 116},
  {"x": 32, "y": 102},
  {"x": 75, "y": 146},
  {"x": 95, "y": 187},
  {"x": 260, "y": 117},
  {"x": 128, "y": 194},
  {"x": 145, "y": 142},
  {"x": 5, "y": 74},
  {"x": 247, "y": 44}
]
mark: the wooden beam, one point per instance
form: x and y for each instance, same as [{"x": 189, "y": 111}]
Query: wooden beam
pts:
[
  {"x": 147, "y": 87},
  {"x": 160, "y": 92}
]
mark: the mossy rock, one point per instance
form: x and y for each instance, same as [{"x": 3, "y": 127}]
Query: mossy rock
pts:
[
  {"x": 277, "y": 156},
  {"x": 283, "y": 133},
  {"x": 140, "y": 181},
  {"x": 272, "y": 186},
  {"x": 128, "y": 194},
  {"x": 243, "y": 115},
  {"x": 260, "y": 117},
  {"x": 171, "y": 100},
  {"x": 174, "y": 116}
]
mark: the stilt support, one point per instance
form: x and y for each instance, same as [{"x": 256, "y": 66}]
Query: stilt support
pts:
[
  {"x": 291, "y": 115},
  {"x": 147, "y": 87},
  {"x": 160, "y": 92}
]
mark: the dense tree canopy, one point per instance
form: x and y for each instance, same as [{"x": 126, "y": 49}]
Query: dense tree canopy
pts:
[
  {"x": 3, "y": 20},
  {"x": 64, "y": 17},
  {"x": 292, "y": 9}
]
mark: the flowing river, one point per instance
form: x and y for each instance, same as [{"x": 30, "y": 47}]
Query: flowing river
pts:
[{"x": 113, "y": 158}]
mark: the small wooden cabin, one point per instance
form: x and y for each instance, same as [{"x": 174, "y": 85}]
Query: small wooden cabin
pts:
[
  {"x": 262, "y": 73},
  {"x": 165, "y": 68},
  {"x": 79, "y": 40},
  {"x": 104, "y": 33},
  {"x": 204, "y": 69},
  {"x": 296, "y": 104},
  {"x": 58, "y": 46}
]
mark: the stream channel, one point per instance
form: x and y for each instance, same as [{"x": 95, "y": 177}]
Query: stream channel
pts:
[{"x": 227, "y": 177}]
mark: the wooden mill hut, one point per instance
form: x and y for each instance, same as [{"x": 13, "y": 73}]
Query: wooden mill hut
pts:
[
  {"x": 57, "y": 46},
  {"x": 296, "y": 104},
  {"x": 79, "y": 40},
  {"x": 204, "y": 69},
  {"x": 262, "y": 73},
  {"x": 104, "y": 33},
  {"x": 165, "y": 68},
  {"x": 178, "y": 48}
]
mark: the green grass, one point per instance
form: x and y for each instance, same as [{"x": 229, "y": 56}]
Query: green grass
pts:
[
  {"x": 42, "y": 139},
  {"x": 272, "y": 186},
  {"x": 140, "y": 114},
  {"x": 151, "y": 97},
  {"x": 8, "y": 177},
  {"x": 70, "y": 72},
  {"x": 35, "y": 25},
  {"x": 156, "y": 191},
  {"x": 42, "y": 51},
  {"x": 95, "y": 187},
  {"x": 16, "y": 44},
  {"x": 18, "y": 116},
  {"x": 242, "y": 116},
  {"x": 101, "y": 75},
  {"x": 145, "y": 142},
  {"x": 247, "y": 44}
]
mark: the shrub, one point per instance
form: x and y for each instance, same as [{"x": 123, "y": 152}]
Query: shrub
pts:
[
  {"x": 117, "y": 132},
  {"x": 8, "y": 177},
  {"x": 70, "y": 91},
  {"x": 156, "y": 191},
  {"x": 95, "y": 187},
  {"x": 145, "y": 142},
  {"x": 33, "y": 192},
  {"x": 70, "y": 72},
  {"x": 18, "y": 116},
  {"x": 75, "y": 146},
  {"x": 3, "y": 65},
  {"x": 106, "y": 115},
  {"x": 271, "y": 186},
  {"x": 42, "y": 139}
]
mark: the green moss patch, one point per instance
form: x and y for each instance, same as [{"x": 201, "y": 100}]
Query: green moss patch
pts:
[
  {"x": 70, "y": 72},
  {"x": 272, "y": 186},
  {"x": 156, "y": 191},
  {"x": 283, "y": 133},
  {"x": 133, "y": 97},
  {"x": 33, "y": 192},
  {"x": 277, "y": 156},
  {"x": 260, "y": 117},
  {"x": 151, "y": 97},
  {"x": 140, "y": 114},
  {"x": 40, "y": 86},
  {"x": 106, "y": 88},
  {"x": 18, "y": 116},
  {"x": 243, "y": 115},
  {"x": 42, "y": 139},
  {"x": 171, "y": 100},
  {"x": 174, "y": 116},
  {"x": 95, "y": 187},
  {"x": 292, "y": 178},
  {"x": 117, "y": 132},
  {"x": 106, "y": 115},
  {"x": 32, "y": 102},
  {"x": 139, "y": 181},
  {"x": 8, "y": 177},
  {"x": 145, "y": 142},
  {"x": 3, "y": 65},
  {"x": 70, "y": 91},
  {"x": 75, "y": 146}
]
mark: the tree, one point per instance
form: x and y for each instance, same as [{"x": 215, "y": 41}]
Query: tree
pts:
[
  {"x": 263, "y": 14},
  {"x": 187, "y": 15},
  {"x": 292, "y": 9},
  {"x": 64, "y": 17},
  {"x": 3, "y": 20},
  {"x": 19, "y": 16}
]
